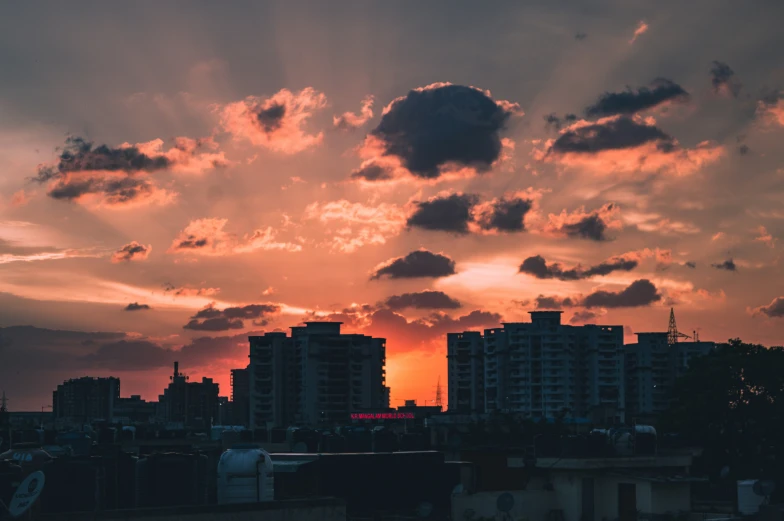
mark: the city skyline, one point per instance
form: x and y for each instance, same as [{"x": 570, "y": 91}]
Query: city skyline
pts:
[{"x": 406, "y": 174}]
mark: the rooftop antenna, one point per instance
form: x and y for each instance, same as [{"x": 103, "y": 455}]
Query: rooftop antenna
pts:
[
  {"x": 672, "y": 331},
  {"x": 438, "y": 392},
  {"x": 3, "y": 403}
]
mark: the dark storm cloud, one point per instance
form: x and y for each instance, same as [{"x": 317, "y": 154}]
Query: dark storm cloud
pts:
[
  {"x": 213, "y": 319},
  {"x": 630, "y": 102},
  {"x": 271, "y": 118},
  {"x": 506, "y": 215},
  {"x": 449, "y": 214},
  {"x": 773, "y": 310},
  {"x": 417, "y": 264},
  {"x": 590, "y": 227},
  {"x": 639, "y": 293},
  {"x": 135, "y": 306},
  {"x": 616, "y": 134},
  {"x": 422, "y": 300},
  {"x": 557, "y": 122},
  {"x": 723, "y": 79},
  {"x": 439, "y": 125},
  {"x": 538, "y": 267},
  {"x": 727, "y": 265},
  {"x": 79, "y": 155},
  {"x": 372, "y": 172}
]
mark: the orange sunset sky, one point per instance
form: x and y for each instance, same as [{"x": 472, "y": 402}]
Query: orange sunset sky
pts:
[{"x": 176, "y": 176}]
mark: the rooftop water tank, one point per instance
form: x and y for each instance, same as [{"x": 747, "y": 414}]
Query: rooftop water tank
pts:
[
  {"x": 748, "y": 500},
  {"x": 245, "y": 475}
]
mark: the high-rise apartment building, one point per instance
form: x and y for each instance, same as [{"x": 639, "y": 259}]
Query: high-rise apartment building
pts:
[
  {"x": 240, "y": 396},
  {"x": 315, "y": 375},
  {"x": 540, "y": 368},
  {"x": 652, "y": 365},
  {"x": 86, "y": 399},
  {"x": 466, "y": 370}
]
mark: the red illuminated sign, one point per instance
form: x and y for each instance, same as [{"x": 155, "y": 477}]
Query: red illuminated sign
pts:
[{"x": 383, "y": 416}]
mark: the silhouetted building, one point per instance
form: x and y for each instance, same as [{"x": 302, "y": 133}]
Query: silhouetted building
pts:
[
  {"x": 652, "y": 366},
  {"x": 316, "y": 375},
  {"x": 240, "y": 396},
  {"x": 540, "y": 368},
  {"x": 466, "y": 369},
  {"x": 86, "y": 399},
  {"x": 190, "y": 404},
  {"x": 134, "y": 410}
]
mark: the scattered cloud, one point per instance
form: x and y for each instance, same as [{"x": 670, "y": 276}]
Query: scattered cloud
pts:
[
  {"x": 207, "y": 237},
  {"x": 639, "y": 293},
  {"x": 417, "y": 264},
  {"x": 765, "y": 237},
  {"x": 463, "y": 213},
  {"x": 7, "y": 258},
  {"x": 504, "y": 214},
  {"x": 135, "y": 306},
  {"x": 133, "y": 251},
  {"x": 438, "y": 129},
  {"x": 422, "y": 300},
  {"x": 585, "y": 225},
  {"x": 119, "y": 176},
  {"x": 20, "y": 198},
  {"x": 354, "y": 225},
  {"x": 641, "y": 29},
  {"x": 539, "y": 268},
  {"x": 350, "y": 120},
  {"x": 723, "y": 80},
  {"x": 630, "y": 102},
  {"x": 727, "y": 265},
  {"x": 277, "y": 123},
  {"x": 213, "y": 319},
  {"x": 174, "y": 291},
  {"x": 623, "y": 144},
  {"x": 450, "y": 213},
  {"x": 580, "y": 36},
  {"x": 773, "y": 310},
  {"x": 556, "y": 122},
  {"x": 582, "y": 317},
  {"x": 771, "y": 108}
]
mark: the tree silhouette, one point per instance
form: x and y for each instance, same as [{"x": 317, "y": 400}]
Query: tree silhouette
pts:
[{"x": 731, "y": 403}]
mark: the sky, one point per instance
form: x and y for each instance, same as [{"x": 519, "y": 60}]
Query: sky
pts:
[{"x": 177, "y": 176}]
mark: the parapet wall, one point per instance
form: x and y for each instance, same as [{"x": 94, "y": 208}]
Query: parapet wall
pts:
[{"x": 321, "y": 509}]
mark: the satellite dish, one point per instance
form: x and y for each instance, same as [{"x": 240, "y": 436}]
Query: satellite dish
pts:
[
  {"x": 300, "y": 447},
  {"x": 505, "y": 502},
  {"x": 29, "y": 490},
  {"x": 764, "y": 488},
  {"x": 424, "y": 509}
]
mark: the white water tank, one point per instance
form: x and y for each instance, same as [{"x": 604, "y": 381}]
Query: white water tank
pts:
[{"x": 245, "y": 476}]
